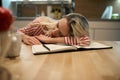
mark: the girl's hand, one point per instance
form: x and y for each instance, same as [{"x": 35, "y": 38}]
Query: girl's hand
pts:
[
  {"x": 45, "y": 39},
  {"x": 30, "y": 40}
]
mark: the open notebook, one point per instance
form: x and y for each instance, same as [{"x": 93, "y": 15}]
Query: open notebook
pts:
[{"x": 52, "y": 48}]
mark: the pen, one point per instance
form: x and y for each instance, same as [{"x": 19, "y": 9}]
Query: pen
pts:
[{"x": 45, "y": 47}]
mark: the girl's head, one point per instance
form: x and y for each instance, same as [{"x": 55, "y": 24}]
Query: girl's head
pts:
[
  {"x": 72, "y": 24},
  {"x": 78, "y": 25}
]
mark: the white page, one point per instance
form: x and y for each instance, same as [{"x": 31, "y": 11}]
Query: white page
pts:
[
  {"x": 59, "y": 47},
  {"x": 94, "y": 45},
  {"x": 97, "y": 45},
  {"x": 39, "y": 49}
]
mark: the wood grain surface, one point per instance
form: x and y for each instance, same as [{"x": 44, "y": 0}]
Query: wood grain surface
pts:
[{"x": 82, "y": 65}]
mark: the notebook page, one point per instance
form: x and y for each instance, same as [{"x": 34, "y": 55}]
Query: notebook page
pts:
[
  {"x": 60, "y": 47},
  {"x": 94, "y": 45},
  {"x": 39, "y": 49},
  {"x": 97, "y": 45}
]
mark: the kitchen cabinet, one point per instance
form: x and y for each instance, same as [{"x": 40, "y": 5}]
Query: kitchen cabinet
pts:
[
  {"x": 105, "y": 30},
  {"x": 52, "y": 8}
]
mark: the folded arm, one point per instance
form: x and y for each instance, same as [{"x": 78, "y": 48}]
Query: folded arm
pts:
[
  {"x": 82, "y": 41},
  {"x": 29, "y": 32}
]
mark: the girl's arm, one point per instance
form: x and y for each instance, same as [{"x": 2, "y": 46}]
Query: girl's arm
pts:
[
  {"x": 28, "y": 33},
  {"x": 33, "y": 29},
  {"x": 82, "y": 41},
  {"x": 35, "y": 26},
  {"x": 46, "y": 39}
]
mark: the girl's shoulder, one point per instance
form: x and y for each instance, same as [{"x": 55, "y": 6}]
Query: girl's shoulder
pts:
[{"x": 44, "y": 19}]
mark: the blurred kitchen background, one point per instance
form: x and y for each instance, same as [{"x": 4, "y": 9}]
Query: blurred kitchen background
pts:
[
  {"x": 103, "y": 15},
  {"x": 92, "y": 9}
]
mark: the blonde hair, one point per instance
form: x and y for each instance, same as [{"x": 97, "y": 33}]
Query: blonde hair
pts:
[{"x": 78, "y": 25}]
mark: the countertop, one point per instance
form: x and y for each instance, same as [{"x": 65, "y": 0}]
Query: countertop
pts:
[{"x": 101, "y": 64}]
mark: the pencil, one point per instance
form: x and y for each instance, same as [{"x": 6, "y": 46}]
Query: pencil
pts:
[{"x": 46, "y": 47}]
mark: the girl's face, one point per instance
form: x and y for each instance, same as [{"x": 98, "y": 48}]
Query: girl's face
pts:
[{"x": 62, "y": 29}]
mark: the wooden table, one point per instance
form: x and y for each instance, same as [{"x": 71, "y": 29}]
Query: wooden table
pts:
[{"x": 82, "y": 65}]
